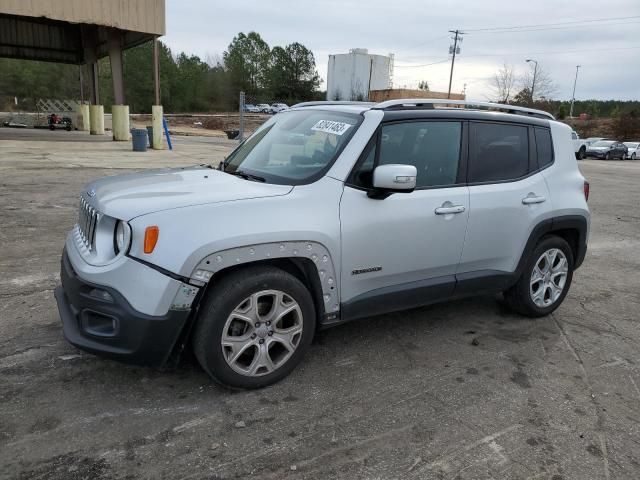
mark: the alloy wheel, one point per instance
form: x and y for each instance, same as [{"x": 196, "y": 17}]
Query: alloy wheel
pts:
[
  {"x": 549, "y": 277},
  {"x": 262, "y": 333}
]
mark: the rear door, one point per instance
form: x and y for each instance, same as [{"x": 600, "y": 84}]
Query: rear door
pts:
[{"x": 508, "y": 195}]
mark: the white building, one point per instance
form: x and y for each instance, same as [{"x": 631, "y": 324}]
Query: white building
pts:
[{"x": 350, "y": 76}]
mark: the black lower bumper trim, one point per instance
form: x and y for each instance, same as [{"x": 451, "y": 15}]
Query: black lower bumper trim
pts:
[{"x": 109, "y": 326}]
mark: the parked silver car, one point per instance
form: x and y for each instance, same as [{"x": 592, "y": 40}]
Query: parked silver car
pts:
[{"x": 329, "y": 212}]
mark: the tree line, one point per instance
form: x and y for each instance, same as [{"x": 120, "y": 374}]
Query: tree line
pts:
[
  {"x": 538, "y": 92},
  {"x": 188, "y": 83}
]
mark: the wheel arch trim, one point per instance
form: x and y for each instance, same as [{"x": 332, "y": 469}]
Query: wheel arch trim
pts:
[
  {"x": 577, "y": 223},
  {"x": 315, "y": 252}
]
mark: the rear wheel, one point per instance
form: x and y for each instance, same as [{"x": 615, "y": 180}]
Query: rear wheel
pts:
[
  {"x": 254, "y": 327},
  {"x": 545, "y": 280},
  {"x": 624, "y": 156},
  {"x": 633, "y": 156}
]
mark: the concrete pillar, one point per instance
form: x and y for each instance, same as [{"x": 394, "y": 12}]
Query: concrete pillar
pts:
[
  {"x": 82, "y": 118},
  {"x": 120, "y": 122},
  {"x": 96, "y": 119},
  {"x": 156, "y": 121},
  {"x": 114, "y": 46}
]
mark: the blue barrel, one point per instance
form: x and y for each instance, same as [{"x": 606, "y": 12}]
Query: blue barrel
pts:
[
  {"x": 139, "y": 138},
  {"x": 150, "y": 132}
]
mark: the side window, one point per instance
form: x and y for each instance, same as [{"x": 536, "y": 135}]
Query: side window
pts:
[
  {"x": 544, "y": 147},
  {"x": 574, "y": 135},
  {"x": 499, "y": 152},
  {"x": 362, "y": 176},
  {"x": 432, "y": 147}
]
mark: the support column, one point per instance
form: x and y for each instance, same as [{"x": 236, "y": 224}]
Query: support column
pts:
[
  {"x": 119, "y": 111},
  {"x": 156, "y": 121},
  {"x": 82, "y": 117},
  {"x": 96, "y": 118},
  {"x": 156, "y": 110}
]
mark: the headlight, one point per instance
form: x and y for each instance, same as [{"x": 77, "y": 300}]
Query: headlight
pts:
[{"x": 121, "y": 237}]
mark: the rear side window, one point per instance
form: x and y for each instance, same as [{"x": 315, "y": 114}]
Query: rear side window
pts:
[
  {"x": 544, "y": 147},
  {"x": 498, "y": 152}
]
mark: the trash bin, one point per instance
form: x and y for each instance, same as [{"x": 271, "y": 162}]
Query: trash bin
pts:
[
  {"x": 139, "y": 139},
  {"x": 150, "y": 132}
]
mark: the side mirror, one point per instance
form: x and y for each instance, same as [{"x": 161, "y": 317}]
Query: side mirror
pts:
[{"x": 394, "y": 178}]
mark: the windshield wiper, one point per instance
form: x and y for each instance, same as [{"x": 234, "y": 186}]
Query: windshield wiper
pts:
[{"x": 247, "y": 176}]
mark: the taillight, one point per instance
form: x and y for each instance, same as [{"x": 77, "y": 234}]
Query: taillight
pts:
[{"x": 586, "y": 191}]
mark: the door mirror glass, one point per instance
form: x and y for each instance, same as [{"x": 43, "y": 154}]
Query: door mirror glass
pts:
[{"x": 395, "y": 178}]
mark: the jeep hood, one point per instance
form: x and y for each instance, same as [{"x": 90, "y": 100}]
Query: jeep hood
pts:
[{"x": 131, "y": 195}]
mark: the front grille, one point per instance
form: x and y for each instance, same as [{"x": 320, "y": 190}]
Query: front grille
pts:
[{"x": 87, "y": 223}]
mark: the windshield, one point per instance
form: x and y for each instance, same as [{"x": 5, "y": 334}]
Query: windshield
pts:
[
  {"x": 294, "y": 147},
  {"x": 603, "y": 143},
  {"x": 632, "y": 144}
]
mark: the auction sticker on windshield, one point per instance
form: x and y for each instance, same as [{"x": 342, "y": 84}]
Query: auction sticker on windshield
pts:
[{"x": 330, "y": 126}]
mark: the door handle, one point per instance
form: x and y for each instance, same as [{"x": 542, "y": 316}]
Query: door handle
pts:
[
  {"x": 449, "y": 209},
  {"x": 531, "y": 199}
]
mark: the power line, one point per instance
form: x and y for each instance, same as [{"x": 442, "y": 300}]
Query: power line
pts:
[
  {"x": 551, "y": 24},
  {"x": 551, "y": 53},
  {"x": 567, "y": 27},
  {"x": 423, "y": 65}
]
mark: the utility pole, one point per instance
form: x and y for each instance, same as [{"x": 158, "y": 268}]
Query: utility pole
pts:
[
  {"x": 573, "y": 97},
  {"x": 535, "y": 71},
  {"x": 457, "y": 37}
]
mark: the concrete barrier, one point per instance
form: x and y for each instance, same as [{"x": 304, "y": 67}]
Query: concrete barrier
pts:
[
  {"x": 96, "y": 119},
  {"x": 120, "y": 123},
  {"x": 156, "y": 122}
]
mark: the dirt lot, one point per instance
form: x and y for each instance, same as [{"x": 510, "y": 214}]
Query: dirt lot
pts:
[{"x": 462, "y": 390}]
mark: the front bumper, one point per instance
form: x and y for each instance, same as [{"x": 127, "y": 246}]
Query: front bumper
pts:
[
  {"x": 595, "y": 154},
  {"x": 99, "y": 319}
]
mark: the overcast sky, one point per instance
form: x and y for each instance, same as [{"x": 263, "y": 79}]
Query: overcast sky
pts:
[{"x": 416, "y": 32}]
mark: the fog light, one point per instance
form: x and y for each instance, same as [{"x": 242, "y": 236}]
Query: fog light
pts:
[{"x": 101, "y": 295}]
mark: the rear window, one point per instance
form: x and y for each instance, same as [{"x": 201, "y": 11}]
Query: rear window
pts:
[
  {"x": 499, "y": 152},
  {"x": 544, "y": 147}
]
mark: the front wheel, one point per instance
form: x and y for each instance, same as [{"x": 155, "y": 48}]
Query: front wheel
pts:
[
  {"x": 545, "y": 280},
  {"x": 633, "y": 156},
  {"x": 607, "y": 156},
  {"x": 254, "y": 327},
  {"x": 582, "y": 153},
  {"x": 624, "y": 156}
]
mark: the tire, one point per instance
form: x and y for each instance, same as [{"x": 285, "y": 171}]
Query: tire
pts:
[
  {"x": 236, "y": 295},
  {"x": 521, "y": 296},
  {"x": 607, "y": 156},
  {"x": 623, "y": 156},
  {"x": 582, "y": 153},
  {"x": 633, "y": 156}
]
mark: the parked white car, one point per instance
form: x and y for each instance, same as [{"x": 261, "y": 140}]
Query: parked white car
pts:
[
  {"x": 278, "y": 107},
  {"x": 264, "y": 108},
  {"x": 250, "y": 108},
  {"x": 579, "y": 145},
  {"x": 329, "y": 212},
  {"x": 633, "y": 150}
]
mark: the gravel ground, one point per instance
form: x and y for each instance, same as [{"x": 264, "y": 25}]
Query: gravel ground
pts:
[{"x": 461, "y": 390}]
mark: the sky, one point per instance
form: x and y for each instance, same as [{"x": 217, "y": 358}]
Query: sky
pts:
[{"x": 416, "y": 32}]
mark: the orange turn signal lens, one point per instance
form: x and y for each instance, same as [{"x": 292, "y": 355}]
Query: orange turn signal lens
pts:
[{"x": 151, "y": 238}]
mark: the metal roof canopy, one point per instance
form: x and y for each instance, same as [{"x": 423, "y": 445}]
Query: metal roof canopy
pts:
[{"x": 65, "y": 31}]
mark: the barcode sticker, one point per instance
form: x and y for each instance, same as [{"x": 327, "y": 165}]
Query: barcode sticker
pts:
[{"x": 329, "y": 126}]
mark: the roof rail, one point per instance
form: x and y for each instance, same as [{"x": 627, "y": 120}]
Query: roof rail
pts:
[
  {"x": 430, "y": 102},
  {"x": 330, "y": 102}
]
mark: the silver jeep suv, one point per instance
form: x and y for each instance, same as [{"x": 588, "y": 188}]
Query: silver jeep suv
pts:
[{"x": 329, "y": 212}]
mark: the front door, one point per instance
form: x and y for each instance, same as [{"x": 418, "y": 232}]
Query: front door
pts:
[{"x": 402, "y": 251}]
